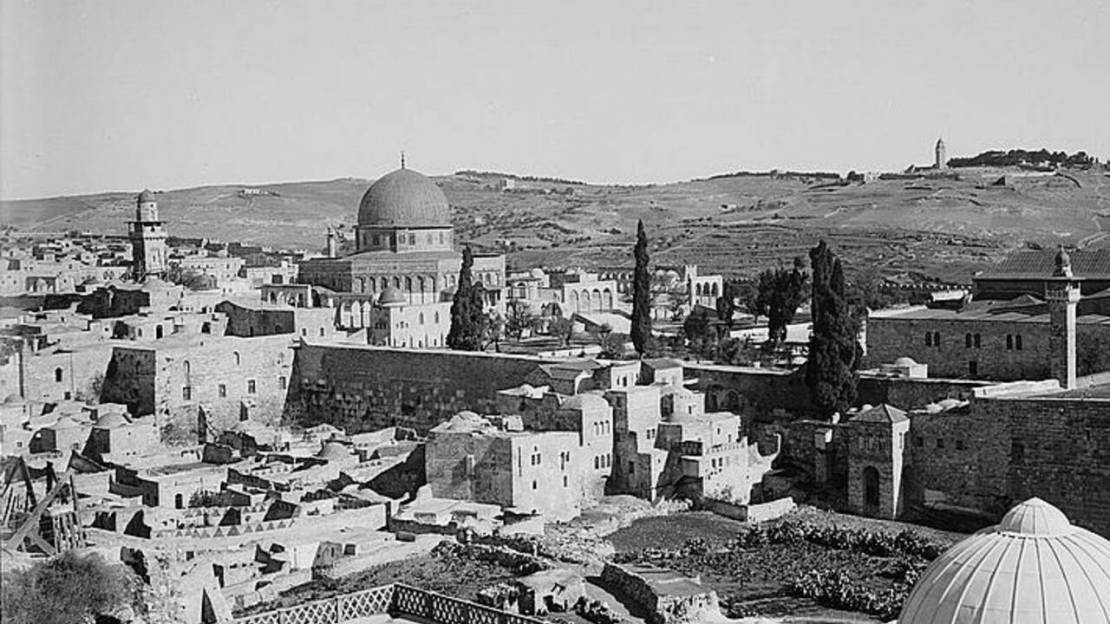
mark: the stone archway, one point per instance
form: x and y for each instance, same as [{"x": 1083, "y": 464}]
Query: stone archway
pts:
[{"x": 871, "y": 497}]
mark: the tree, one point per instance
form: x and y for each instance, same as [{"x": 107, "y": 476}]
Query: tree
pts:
[
  {"x": 726, "y": 305},
  {"x": 519, "y": 318},
  {"x": 493, "y": 331},
  {"x": 66, "y": 589},
  {"x": 641, "y": 293},
  {"x": 466, "y": 331},
  {"x": 188, "y": 278},
  {"x": 833, "y": 347},
  {"x": 779, "y": 293},
  {"x": 562, "y": 328}
]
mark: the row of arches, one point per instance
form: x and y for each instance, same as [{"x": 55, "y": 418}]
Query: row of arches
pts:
[
  {"x": 707, "y": 290},
  {"x": 587, "y": 300}
]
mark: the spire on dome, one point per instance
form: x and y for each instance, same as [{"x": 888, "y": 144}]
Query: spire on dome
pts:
[
  {"x": 1063, "y": 264},
  {"x": 402, "y": 159}
]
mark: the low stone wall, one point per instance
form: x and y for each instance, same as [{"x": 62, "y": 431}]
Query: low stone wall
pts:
[
  {"x": 674, "y": 608},
  {"x": 773, "y": 510}
]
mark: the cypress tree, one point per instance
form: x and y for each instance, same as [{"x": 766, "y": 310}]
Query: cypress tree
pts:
[
  {"x": 641, "y": 293},
  {"x": 833, "y": 356},
  {"x": 465, "y": 333}
]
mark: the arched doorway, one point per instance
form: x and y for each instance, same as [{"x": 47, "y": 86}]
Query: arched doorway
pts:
[{"x": 870, "y": 489}]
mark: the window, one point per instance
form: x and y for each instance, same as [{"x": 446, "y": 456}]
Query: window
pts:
[
  {"x": 437, "y": 318},
  {"x": 973, "y": 368},
  {"x": 321, "y": 332},
  {"x": 222, "y": 391},
  {"x": 421, "y": 319},
  {"x": 960, "y": 445},
  {"x": 412, "y": 239},
  {"x": 928, "y": 339},
  {"x": 977, "y": 341},
  {"x": 250, "y": 386},
  {"x": 58, "y": 375},
  {"x": 940, "y": 443},
  {"x": 1017, "y": 342},
  {"x": 597, "y": 462},
  {"x": 1009, "y": 341},
  {"x": 186, "y": 393},
  {"x": 936, "y": 339},
  {"x": 534, "y": 484},
  {"x": 238, "y": 359},
  {"x": 565, "y": 481},
  {"x": 919, "y": 441},
  {"x": 967, "y": 341},
  {"x": 281, "y": 382},
  {"x": 1017, "y": 453}
]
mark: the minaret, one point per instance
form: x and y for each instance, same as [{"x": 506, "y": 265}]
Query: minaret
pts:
[
  {"x": 148, "y": 240},
  {"x": 333, "y": 244},
  {"x": 941, "y": 154},
  {"x": 1062, "y": 293}
]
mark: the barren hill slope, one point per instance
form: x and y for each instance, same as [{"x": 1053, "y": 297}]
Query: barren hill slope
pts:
[{"x": 942, "y": 227}]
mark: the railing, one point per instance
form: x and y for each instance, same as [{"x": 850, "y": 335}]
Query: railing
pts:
[{"x": 395, "y": 599}]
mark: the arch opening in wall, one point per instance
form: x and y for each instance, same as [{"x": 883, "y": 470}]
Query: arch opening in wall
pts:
[{"x": 871, "y": 489}]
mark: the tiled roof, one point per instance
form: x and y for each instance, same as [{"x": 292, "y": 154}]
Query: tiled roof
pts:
[
  {"x": 1041, "y": 264},
  {"x": 881, "y": 414}
]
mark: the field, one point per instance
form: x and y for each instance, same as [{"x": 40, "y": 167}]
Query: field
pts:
[
  {"x": 938, "y": 228},
  {"x": 752, "y": 580}
]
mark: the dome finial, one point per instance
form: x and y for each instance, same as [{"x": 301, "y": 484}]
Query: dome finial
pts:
[{"x": 402, "y": 159}]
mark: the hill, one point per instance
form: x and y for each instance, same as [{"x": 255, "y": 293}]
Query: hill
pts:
[{"x": 942, "y": 227}]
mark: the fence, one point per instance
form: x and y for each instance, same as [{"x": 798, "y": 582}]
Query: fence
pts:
[{"x": 395, "y": 599}]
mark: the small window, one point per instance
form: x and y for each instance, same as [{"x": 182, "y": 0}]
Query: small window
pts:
[
  {"x": 250, "y": 386},
  {"x": 281, "y": 382},
  {"x": 940, "y": 443},
  {"x": 1017, "y": 452},
  {"x": 973, "y": 368},
  {"x": 1009, "y": 341},
  {"x": 222, "y": 391},
  {"x": 919, "y": 441},
  {"x": 1017, "y": 342},
  {"x": 960, "y": 445},
  {"x": 321, "y": 332},
  {"x": 936, "y": 339},
  {"x": 58, "y": 375},
  {"x": 928, "y": 339},
  {"x": 565, "y": 481},
  {"x": 967, "y": 341},
  {"x": 978, "y": 341},
  {"x": 186, "y": 393},
  {"x": 534, "y": 484}
]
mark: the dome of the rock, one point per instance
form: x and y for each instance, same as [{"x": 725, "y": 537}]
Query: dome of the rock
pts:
[
  {"x": 404, "y": 198},
  {"x": 1035, "y": 566}
]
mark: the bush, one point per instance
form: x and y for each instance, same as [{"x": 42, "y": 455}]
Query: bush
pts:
[
  {"x": 834, "y": 588},
  {"x": 66, "y": 589}
]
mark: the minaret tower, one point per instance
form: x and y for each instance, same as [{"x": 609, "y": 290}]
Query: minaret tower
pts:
[
  {"x": 1062, "y": 293},
  {"x": 941, "y": 153},
  {"x": 333, "y": 243},
  {"x": 148, "y": 240}
]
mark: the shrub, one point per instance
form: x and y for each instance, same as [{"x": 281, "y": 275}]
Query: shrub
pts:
[{"x": 65, "y": 589}]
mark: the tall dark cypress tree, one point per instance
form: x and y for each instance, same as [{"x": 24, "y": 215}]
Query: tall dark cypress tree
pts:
[
  {"x": 830, "y": 370},
  {"x": 641, "y": 294},
  {"x": 465, "y": 333}
]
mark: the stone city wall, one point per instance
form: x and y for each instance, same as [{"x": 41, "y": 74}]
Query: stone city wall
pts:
[{"x": 368, "y": 388}]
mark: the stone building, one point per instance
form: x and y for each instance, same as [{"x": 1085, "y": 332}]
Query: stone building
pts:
[
  {"x": 940, "y": 153},
  {"x": 405, "y": 242},
  {"x": 1028, "y": 273},
  {"x": 1059, "y": 334},
  {"x": 876, "y": 452}
]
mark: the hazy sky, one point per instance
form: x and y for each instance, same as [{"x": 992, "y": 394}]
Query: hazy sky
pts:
[{"x": 113, "y": 95}]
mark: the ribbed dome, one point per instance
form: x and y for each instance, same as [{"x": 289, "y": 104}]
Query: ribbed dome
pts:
[
  {"x": 146, "y": 196},
  {"x": 111, "y": 420},
  {"x": 1035, "y": 567},
  {"x": 404, "y": 198}
]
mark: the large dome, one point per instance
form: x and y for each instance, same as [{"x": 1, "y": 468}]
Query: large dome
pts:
[
  {"x": 404, "y": 198},
  {"x": 1035, "y": 566}
]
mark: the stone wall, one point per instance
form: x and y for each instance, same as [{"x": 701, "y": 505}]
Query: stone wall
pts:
[
  {"x": 368, "y": 388},
  {"x": 681, "y": 599},
  {"x": 1001, "y": 451},
  {"x": 906, "y": 393}
]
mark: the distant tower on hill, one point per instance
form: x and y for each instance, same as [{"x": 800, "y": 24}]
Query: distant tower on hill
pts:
[
  {"x": 333, "y": 243},
  {"x": 941, "y": 153},
  {"x": 148, "y": 240},
  {"x": 1062, "y": 294}
]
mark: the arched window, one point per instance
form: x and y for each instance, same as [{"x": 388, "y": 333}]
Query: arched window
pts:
[
  {"x": 1009, "y": 341},
  {"x": 58, "y": 375},
  {"x": 437, "y": 317},
  {"x": 238, "y": 358},
  {"x": 936, "y": 339},
  {"x": 967, "y": 340},
  {"x": 408, "y": 284},
  {"x": 157, "y": 331},
  {"x": 186, "y": 367},
  {"x": 978, "y": 341},
  {"x": 928, "y": 339},
  {"x": 421, "y": 318},
  {"x": 1017, "y": 342}
]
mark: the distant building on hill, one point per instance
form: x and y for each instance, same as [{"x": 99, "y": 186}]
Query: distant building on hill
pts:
[{"x": 941, "y": 153}]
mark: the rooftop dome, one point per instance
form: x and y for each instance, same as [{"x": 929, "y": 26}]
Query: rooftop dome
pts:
[
  {"x": 333, "y": 451},
  {"x": 146, "y": 196},
  {"x": 1035, "y": 566},
  {"x": 111, "y": 420},
  {"x": 905, "y": 361},
  {"x": 404, "y": 198},
  {"x": 1063, "y": 263},
  {"x": 583, "y": 402},
  {"x": 391, "y": 295}
]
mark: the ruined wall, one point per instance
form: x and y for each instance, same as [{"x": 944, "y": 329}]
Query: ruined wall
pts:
[
  {"x": 907, "y": 394},
  {"x": 367, "y": 388},
  {"x": 750, "y": 391}
]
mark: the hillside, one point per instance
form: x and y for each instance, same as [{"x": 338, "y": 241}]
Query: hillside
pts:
[{"x": 942, "y": 227}]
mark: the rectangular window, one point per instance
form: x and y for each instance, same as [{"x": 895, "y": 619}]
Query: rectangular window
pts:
[
  {"x": 281, "y": 382},
  {"x": 940, "y": 443},
  {"x": 960, "y": 445},
  {"x": 250, "y": 386},
  {"x": 1017, "y": 453},
  {"x": 222, "y": 390},
  {"x": 973, "y": 368},
  {"x": 186, "y": 393},
  {"x": 1017, "y": 342},
  {"x": 919, "y": 441}
]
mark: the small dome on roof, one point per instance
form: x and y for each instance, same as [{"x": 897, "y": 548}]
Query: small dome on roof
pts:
[
  {"x": 583, "y": 402},
  {"x": 390, "y": 296},
  {"x": 111, "y": 420},
  {"x": 11, "y": 399},
  {"x": 537, "y": 273},
  {"x": 333, "y": 451},
  {"x": 1035, "y": 566},
  {"x": 905, "y": 361},
  {"x": 146, "y": 196},
  {"x": 67, "y": 422}
]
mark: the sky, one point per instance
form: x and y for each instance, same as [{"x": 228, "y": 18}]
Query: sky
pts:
[{"x": 113, "y": 95}]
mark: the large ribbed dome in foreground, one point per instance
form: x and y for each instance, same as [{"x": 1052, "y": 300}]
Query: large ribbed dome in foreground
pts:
[
  {"x": 404, "y": 198},
  {"x": 1034, "y": 567}
]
